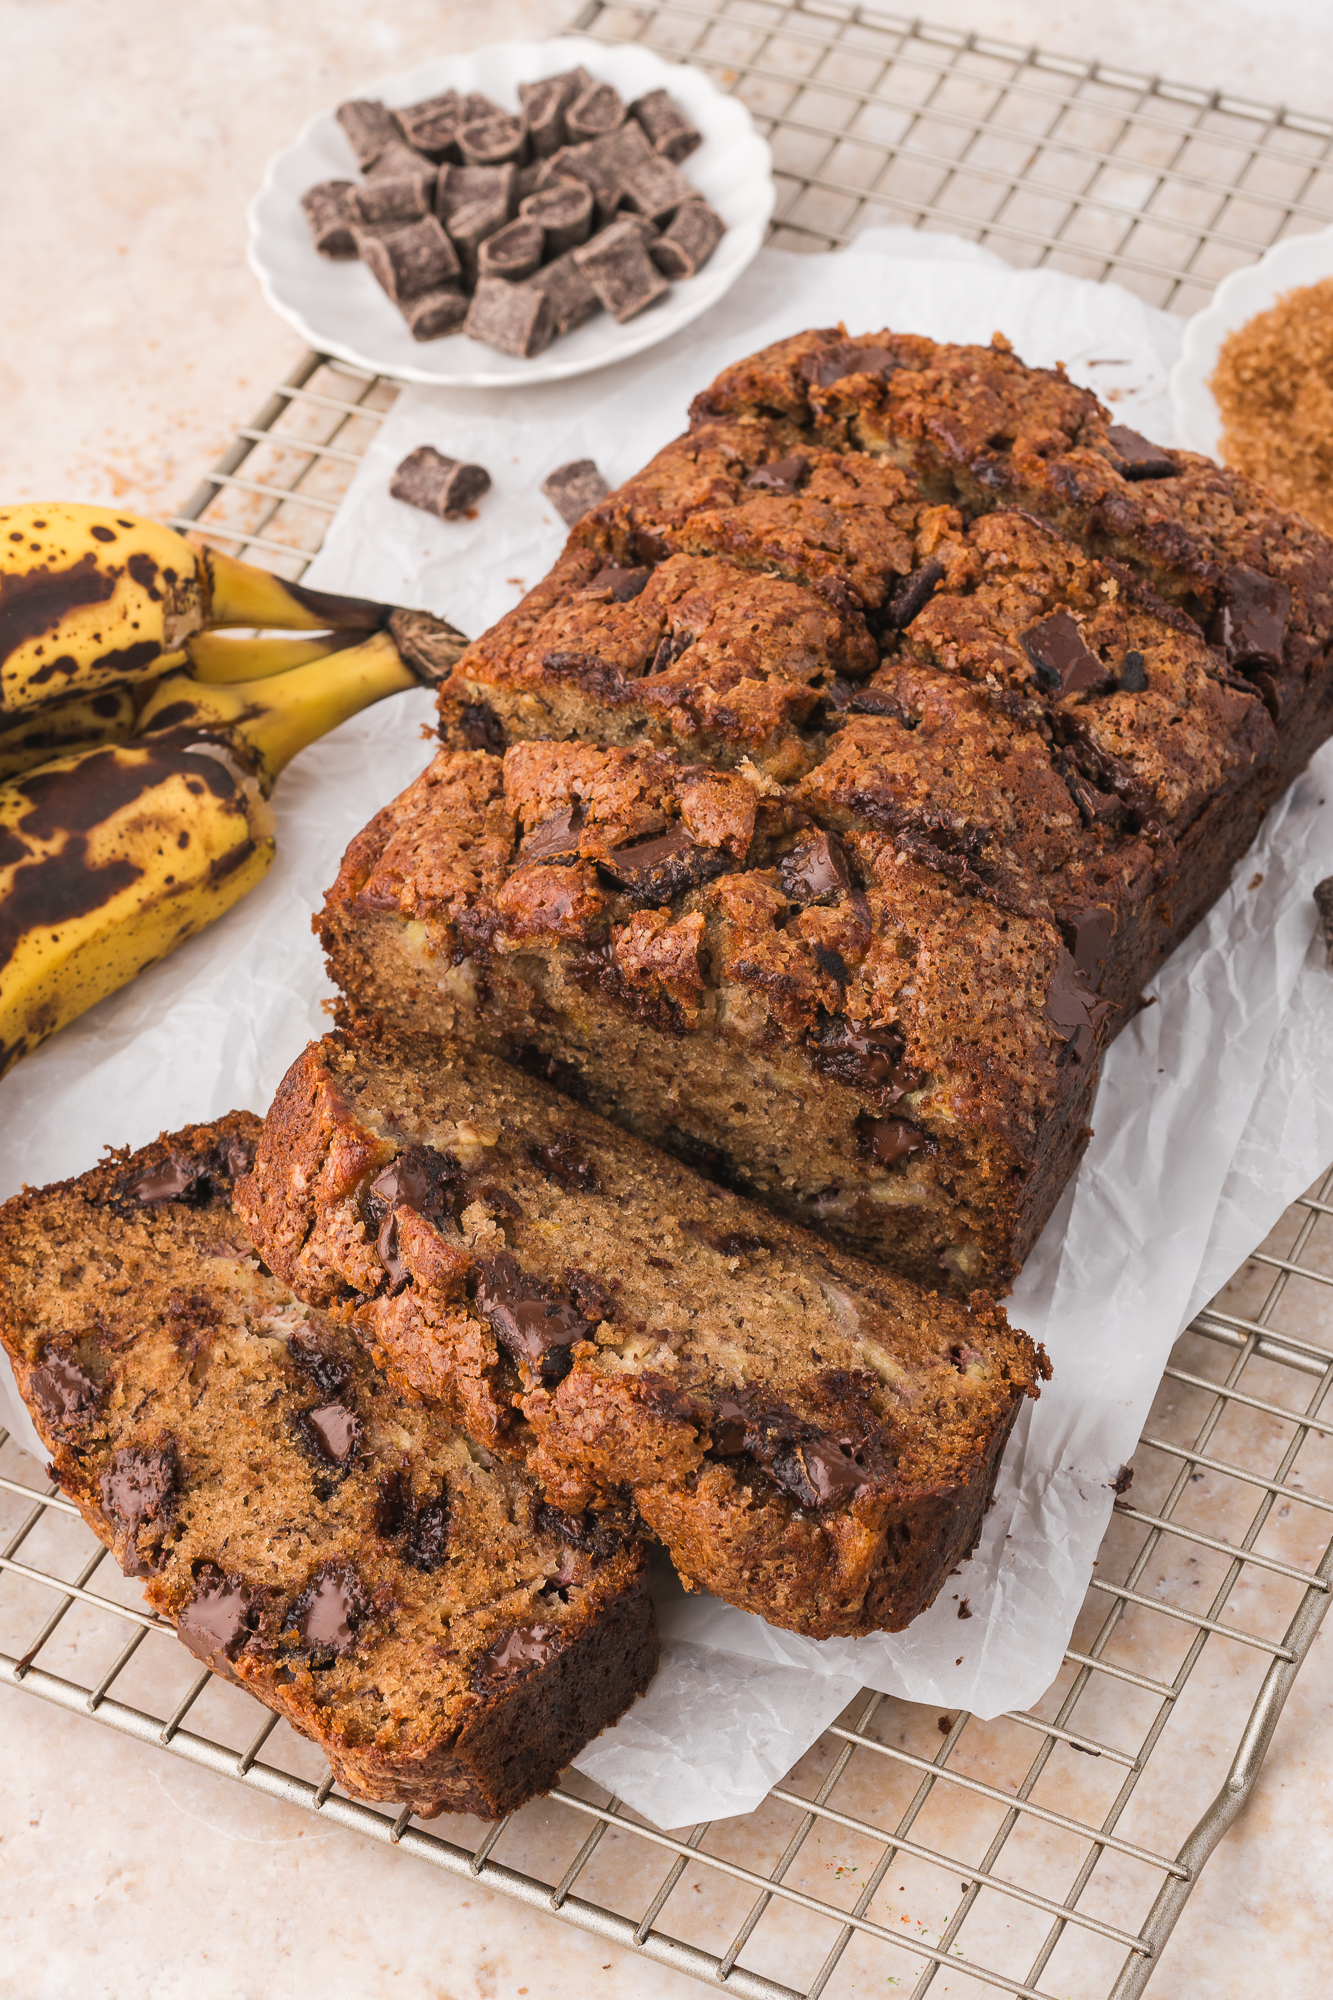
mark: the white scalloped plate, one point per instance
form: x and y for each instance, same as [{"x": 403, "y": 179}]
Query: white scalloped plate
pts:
[
  {"x": 339, "y": 309},
  {"x": 1298, "y": 260}
]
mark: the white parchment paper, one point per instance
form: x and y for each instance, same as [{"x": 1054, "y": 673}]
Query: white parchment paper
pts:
[{"x": 1215, "y": 1106}]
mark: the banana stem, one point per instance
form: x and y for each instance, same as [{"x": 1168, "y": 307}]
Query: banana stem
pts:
[
  {"x": 215, "y": 659},
  {"x": 239, "y": 594}
]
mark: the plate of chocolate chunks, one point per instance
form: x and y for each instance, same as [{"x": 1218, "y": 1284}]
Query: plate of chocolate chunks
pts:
[{"x": 529, "y": 211}]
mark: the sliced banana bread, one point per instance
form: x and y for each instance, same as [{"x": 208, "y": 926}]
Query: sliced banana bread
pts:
[
  {"x": 400, "y": 1595},
  {"x": 812, "y": 1439}
]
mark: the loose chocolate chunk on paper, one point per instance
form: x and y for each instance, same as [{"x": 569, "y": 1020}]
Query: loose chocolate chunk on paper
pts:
[
  {"x": 399, "y": 158},
  {"x": 437, "y": 484},
  {"x": 417, "y": 258},
  {"x": 1062, "y": 658},
  {"x": 572, "y": 299},
  {"x": 326, "y": 211},
  {"x": 492, "y": 142},
  {"x": 430, "y": 315},
  {"x": 686, "y": 246},
  {"x": 574, "y": 488},
  {"x": 459, "y": 187},
  {"x": 544, "y": 107},
  {"x": 620, "y": 271},
  {"x": 470, "y": 227},
  {"x": 656, "y": 189},
  {"x": 1138, "y": 458},
  {"x": 370, "y": 127},
  {"x": 515, "y": 318},
  {"x": 395, "y": 198},
  {"x": 564, "y": 211},
  {"x": 1250, "y": 619},
  {"x": 669, "y": 130},
  {"x": 513, "y": 252},
  {"x": 598, "y": 109},
  {"x": 432, "y": 125},
  {"x": 1323, "y": 902}
]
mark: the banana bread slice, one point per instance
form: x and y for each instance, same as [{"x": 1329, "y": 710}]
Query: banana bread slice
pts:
[
  {"x": 400, "y": 1596},
  {"x": 812, "y": 1439}
]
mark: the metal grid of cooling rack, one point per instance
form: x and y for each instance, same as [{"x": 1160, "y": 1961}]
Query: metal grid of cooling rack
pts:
[{"x": 1042, "y": 1854}]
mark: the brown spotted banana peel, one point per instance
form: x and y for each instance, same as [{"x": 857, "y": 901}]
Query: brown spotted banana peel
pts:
[
  {"x": 112, "y": 857},
  {"x": 91, "y": 597}
]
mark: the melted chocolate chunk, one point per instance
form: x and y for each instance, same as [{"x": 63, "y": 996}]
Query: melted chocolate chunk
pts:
[
  {"x": 589, "y": 1531},
  {"x": 1074, "y": 1010},
  {"x": 62, "y": 1391},
  {"x": 1139, "y": 459},
  {"x": 326, "y": 1371},
  {"x": 193, "y": 1179},
  {"x": 832, "y": 364},
  {"x": 1090, "y": 933},
  {"x": 653, "y": 871},
  {"x": 140, "y": 1490},
  {"x": 813, "y": 1469},
  {"x": 622, "y": 584},
  {"x": 420, "y": 1179},
  {"x": 832, "y": 962},
  {"x": 565, "y": 1162},
  {"x": 1063, "y": 662},
  {"x": 481, "y": 728},
  {"x": 818, "y": 869},
  {"x": 530, "y": 1318},
  {"x": 217, "y": 1621},
  {"x": 521, "y": 1651},
  {"x": 910, "y": 597},
  {"x": 556, "y": 838},
  {"x": 1133, "y": 675},
  {"x": 595, "y": 1300},
  {"x": 326, "y": 1615},
  {"x": 818, "y": 1474},
  {"x": 333, "y": 1432},
  {"x": 870, "y": 1059},
  {"x": 1250, "y": 620},
  {"x": 784, "y": 475},
  {"x": 887, "y": 1140}
]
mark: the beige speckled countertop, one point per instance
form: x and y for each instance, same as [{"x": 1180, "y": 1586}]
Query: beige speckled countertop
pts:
[{"x": 132, "y": 340}]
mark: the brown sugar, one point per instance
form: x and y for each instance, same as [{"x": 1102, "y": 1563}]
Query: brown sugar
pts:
[{"x": 1274, "y": 387}]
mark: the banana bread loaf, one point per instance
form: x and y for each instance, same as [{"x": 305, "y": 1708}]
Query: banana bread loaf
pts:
[
  {"x": 811, "y": 1438},
  {"x": 828, "y": 806},
  {"x": 402, "y": 1597}
]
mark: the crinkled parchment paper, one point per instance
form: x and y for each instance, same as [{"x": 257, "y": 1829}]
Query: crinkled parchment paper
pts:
[{"x": 1215, "y": 1107}]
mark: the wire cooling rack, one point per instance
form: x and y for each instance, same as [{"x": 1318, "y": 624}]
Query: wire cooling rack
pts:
[{"x": 1042, "y": 1854}]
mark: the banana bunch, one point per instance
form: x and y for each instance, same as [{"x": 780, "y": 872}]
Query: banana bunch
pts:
[{"x": 154, "y": 820}]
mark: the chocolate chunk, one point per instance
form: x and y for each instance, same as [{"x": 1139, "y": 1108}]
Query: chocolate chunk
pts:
[
  {"x": 438, "y": 484},
  {"x": 910, "y": 597},
  {"x": 564, "y": 212},
  {"x": 1122, "y": 1482},
  {"x": 594, "y": 1300},
  {"x": 530, "y": 1319},
  {"x": 1133, "y": 675},
  {"x": 333, "y": 1432},
  {"x": 556, "y": 838},
  {"x": 62, "y": 1391},
  {"x": 1063, "y": 661},
  {"x": 140, "y": 1489},
  {"x": 326, "y": 1369},
  {"x": 422, "y": 1529},
  {"x": 370, "y": 127},
  {"x": 193, "y": 1180},
  {"x": 597, "y": 110},
  {"x": 544, "y": 106},
  {"x": 1091, "y": 931},
  {"x": 620, "y": 271},
  {"x": 820, "y": 868},
  {"x": 572, "y": 299},
  {"x": 470, "y": 227},
  {"x": 818, "y": 1473},
  {"x": 1074, "y": 1010},
  {"x": 656, "y": 190},
  {"x": 327, "y": 1613},
  {"x": 728, "y": 1242},
  {"x": 692, "y": 237},
  {"x": 519, "y": 1652},
  {"x": 653, "y": 871},
  {"x": 217, "y": 1621},
  {"x": 812, "y": 1468},
  {"x": 395, "y": 198},
  {"x": 1323, "y": 902},
  {"x": 669, "y": 130},
  {"x": 422, "y": 1179},
  {"x": 514, "y": 318},
  {"x": 458, "y": 188},
  {"x": 417, "y": 258},
  {"x": 432, "y": 125},
  {"x": 1250, "y": 618},
  {"x": 869, "y": 1059},
  {"x": 477, "y": 105},
  {"x": 783, "y": 475},
  {"x": 565, "y": 1162},
  {"x": 828, "y": 365},
  {"x": 326, "y": 210},
  {"x": 561, "y": 1075},
  {"x": 481, "y": 728},
  {"x": 887, "y": 1140},
  {"x": 620, "y": 585},
  {"x": 492, "y": 142},
  {"x": 433, "y": 314},
  {"x": 604, "y": 164},
  {"x": 1138, "y": 458},
  {"x": 575, "y": 488},
  {"x": 513, "y": 252},
  {"x": 399, "y": 161}
]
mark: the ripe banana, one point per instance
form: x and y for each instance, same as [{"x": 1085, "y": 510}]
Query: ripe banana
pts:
[
  {"x": 112, "y": 857},
  {"x": 60, "y": 727},
  {"x": 89, "y": 596}
]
